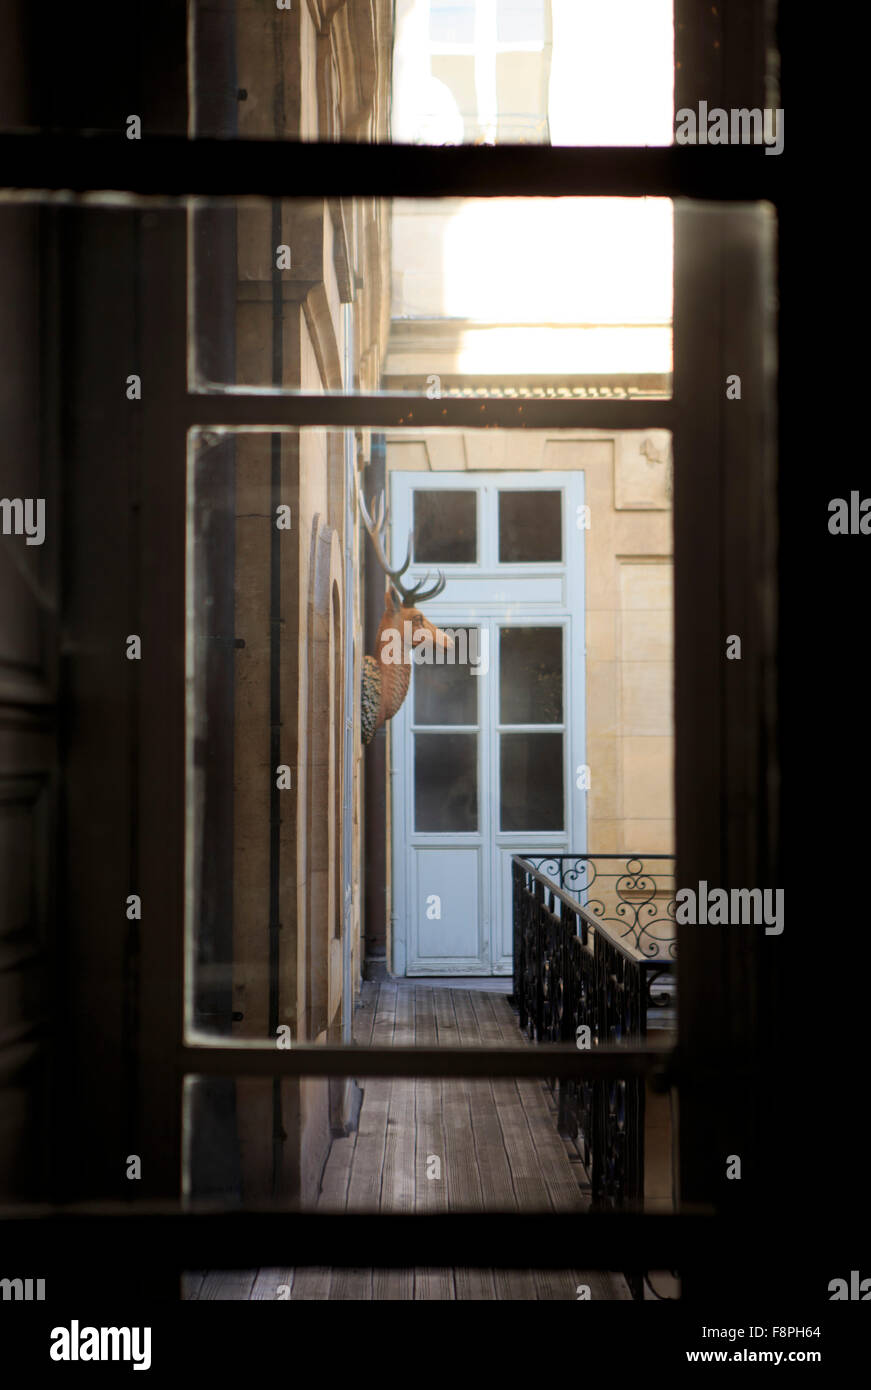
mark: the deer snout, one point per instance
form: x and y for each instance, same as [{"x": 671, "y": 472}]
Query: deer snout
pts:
[{"x": 440, "y": 638}]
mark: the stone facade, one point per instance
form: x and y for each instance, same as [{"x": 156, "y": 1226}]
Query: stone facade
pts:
[{"x": 318, "y": 71}]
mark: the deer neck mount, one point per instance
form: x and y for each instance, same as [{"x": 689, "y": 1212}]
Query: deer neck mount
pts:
[{"x": 403, "y": 630}]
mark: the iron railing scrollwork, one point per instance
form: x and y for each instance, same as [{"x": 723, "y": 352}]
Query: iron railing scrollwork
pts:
[{"x": 590, "y": 944}]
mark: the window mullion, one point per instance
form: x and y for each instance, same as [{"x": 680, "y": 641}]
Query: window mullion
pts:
[{"x": 243, "y": 410}]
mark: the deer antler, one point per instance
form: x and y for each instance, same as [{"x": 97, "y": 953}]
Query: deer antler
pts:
[{"x": 376, "y": 525}]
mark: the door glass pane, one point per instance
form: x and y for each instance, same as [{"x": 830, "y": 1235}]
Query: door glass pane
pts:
[
  {"x": 447, "y": 693},
  {"x": 531, "y": 675},
  {"x": 445, "y": 782},
  {"x": 530, "y": 527},
  {"x": 531, "y": 782},
  {"x": 445, "y": 525}
]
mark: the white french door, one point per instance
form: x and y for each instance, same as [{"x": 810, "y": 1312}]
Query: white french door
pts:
[{"x": 486, "y": 752}]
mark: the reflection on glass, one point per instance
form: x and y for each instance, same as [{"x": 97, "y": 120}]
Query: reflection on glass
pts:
[
  {"x": 442, "y": 323},
  {"x": 447, "y": 693},
  {"x": 435, "y": 72},
  {"x": 531, "y": 782},
  {"x": 452, "y": 21},
  {"x": 445, "y": 782},
  {"x": 562, "y": 72},
  {"x": 530, "y": 527},
  {"x": 531, "y": 675},
  {"x": 521, "y": 20},
  {"x": 445, "y": 528},
  {"x": 251, "y": 616},
  {"x": 246, "y": 1142}
]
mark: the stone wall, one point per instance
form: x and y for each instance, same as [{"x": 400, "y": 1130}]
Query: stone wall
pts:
[{"x": 319, "y": 71}]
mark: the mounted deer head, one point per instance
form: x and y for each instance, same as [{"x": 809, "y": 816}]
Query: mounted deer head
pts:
[{"x": 402, "y": 630}]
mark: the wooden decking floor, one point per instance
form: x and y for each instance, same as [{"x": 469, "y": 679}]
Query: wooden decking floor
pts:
[{"x": 496, "y": 1142}]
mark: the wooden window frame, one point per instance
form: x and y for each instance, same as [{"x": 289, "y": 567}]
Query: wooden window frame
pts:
[{"x": 731, "y": 459}]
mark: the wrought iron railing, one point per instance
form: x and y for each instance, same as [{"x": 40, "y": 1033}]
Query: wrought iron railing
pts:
[{"x": 593, "y": 935}]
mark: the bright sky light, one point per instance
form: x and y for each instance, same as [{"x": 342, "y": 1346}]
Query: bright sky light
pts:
[
  {"x": 563, "y": 262},
  {"x": 611, "y": 74}
]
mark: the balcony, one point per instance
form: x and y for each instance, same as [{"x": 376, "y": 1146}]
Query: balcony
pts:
[{"x": 594, "y": 963}]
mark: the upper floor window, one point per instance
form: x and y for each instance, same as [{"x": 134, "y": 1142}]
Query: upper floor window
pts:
[
  {"x": 561, "y": 72},
  {"x": 465, "y": 23}
]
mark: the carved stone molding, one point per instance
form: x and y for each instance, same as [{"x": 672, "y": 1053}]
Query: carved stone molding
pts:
[{"x": 643, "y": 471}]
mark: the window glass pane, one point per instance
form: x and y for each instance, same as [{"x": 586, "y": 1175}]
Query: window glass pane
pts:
[
  {"x": 521, "y": 77},
  {"x": 569, "y": 72},
  {"x": 445, "y": 692},
  {"x": 530, "y": 527},
  {"x": 531, "y": 675},
  {"x": 445, "y": 528},
  {"x": 373, "y": 71},
  {"x": 407, "y": 71},
  {"x": 445, "y": 782},
  {"x": 531, "y": 781},
  {"x": 427, "y": 282},
  {"x": 262, "y": 601},
  {"x": 242, "y": 1149}
]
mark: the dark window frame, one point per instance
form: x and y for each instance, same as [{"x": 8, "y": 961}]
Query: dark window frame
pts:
[{"x": 731, "y": 75}]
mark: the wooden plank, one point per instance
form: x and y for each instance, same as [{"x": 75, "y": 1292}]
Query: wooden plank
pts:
[
  {"x": 468, "y": 1033},
  {"x": 311, "y": 1284},
  {"x": 227, "y": 1285},
  {"x": 471, "y": 1283},
  {"x": 555, "y": 1285},
  {"x": 496, "y": 1181},
  {"x": 191, "y": 1283},
  {"x": 565, "y": 1181},
  {"x": 351, "y": 1286},
  {"x": 493, "y": 1163},
  {"x": 462, "y": 1179},
  {"x": 515, "y": 1285},
  {"x": 367, "y": 1168},
  {"x": 397, "y": 1186},
  {"x": 364, "y": 1187},
  {"x": 561, "y": 1177},
  {"x": 604, "y": 1286},
  {"x": 363, "y": 1022},
  {"x": 476, "y": 1284},
  {"x": 464, "y": 1189},
  {"x": 403, "y": 1023},
  {"x": 496, "y": 1140},
  {"x": 445, "y": 1019},
  {"x": 505, "y": 1020},
  {"x": 495, "y": 1156},
  {"x": 385, "y": 1014},
  {"x": 271, "y": 1285},
  {"x": 337, "y": 1174},
  {"x": 430, "y": 1194},
  {"x": 489, "y": 1028}
]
